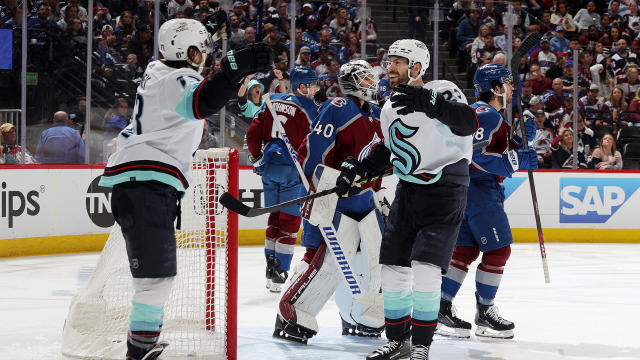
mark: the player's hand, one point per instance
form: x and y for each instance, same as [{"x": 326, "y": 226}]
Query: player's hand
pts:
[
  {"x": 529, "y": 128},
  {"x": 520, "y": 159},
  {"x": 216, "y": 22},
  {"x": 410, "y": 99},
  {"x": 247, "y": 60},
  {"x": 258, "y": 164},
  {"x": 350, "y": 171}
]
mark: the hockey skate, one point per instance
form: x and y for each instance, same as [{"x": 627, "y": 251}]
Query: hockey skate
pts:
[
  {"x": 151, "y": 354},
  {"x": 291, "y": 332},
  {"x": 349, "y": 329},
  {"x": 393, "y": 350},
  {"x": 491, "y": 324},
  {"x": 278, "y": 277},
  {"x": 269, "y": 271},
  {"x": 449, "y": 324},
  {"x": 419, "y": 352}
]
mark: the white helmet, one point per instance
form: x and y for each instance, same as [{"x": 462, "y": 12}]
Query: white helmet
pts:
[
  {"x": 448, "y": 90},
  {"x": 176, "y": 36},
  {"x": 351, "y": 78},
  {"x": 413, "y": 50}
]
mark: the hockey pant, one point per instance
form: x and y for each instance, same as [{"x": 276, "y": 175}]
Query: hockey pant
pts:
[{"x": 312, "y": 284}]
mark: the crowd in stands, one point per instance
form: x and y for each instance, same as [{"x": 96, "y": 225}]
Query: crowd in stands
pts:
[{"x": 606, "y": 35}]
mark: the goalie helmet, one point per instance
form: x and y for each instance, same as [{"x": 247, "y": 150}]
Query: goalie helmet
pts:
[
  {"x": 358, "y": 79},
  {"x": 448, "y": 90},
  {"x": 176, "y": 36},
  {"x": 415, "y": 51}
]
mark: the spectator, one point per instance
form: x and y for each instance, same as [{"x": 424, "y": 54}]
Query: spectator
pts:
[
  {"x": 614, "y": 13},
  {"x": 341, "y": 25},
  {"x": 250, "y": 96},
  {"x": 467, "y": 31},
  {"x": 418, "y": 16},
  {"x": 208, "y": 141},
  {"x": 42, "y": 27},
  {"x": 634, "y": 110},
  {"x": 312, "y": 35},
  {"x": 142, "y": 44},
  {"x": 478, "y": 43},
  {"x": 539, "y": 83},
  {"x": 10, "y": 149},
  {"x": 593, "y": 108},
  {"x": 60, "y": 143},
  {"x": 351, "y": 48},
  {"x": 487, "y": 52},
  {"x": 371, "y": 30},
  {"x": 82, "y": 12},
  {"x": 330, "y": 79},
  {"x": 117, "y": 119},
  {"x": 567, "y": 78},
  {"x": 502, "y": 39},
  {"x": 75, "y": 37},
  {"x": 203, "y": 5},
  {"x": 327, "y": 11},
  {"x": 527, "y": 94},
  {"x": 544, "y": 25},
  {"x": 554, "y": 99},
  {"x": 610, "y": 38},
  {"x": 606, "y": 157},
  {"x": 175, "y": 7},
  {"x": 236, "y": 37},
  {"x": 125, "y": 29},
  {"x": 622, "y": 57},
  {"x": 304, "y": 57},
  {"x": 559, "y": 43},
  {"x": 542, "y": 141},
  {"x": 562, "y": 18},
  {"x": 70, "y": 13},
  {"x": 325, "y": 41},
  {"x": 378, "y": 66},
  {"x": 321, "y": 64},
  {"x": 520, "y": 18},
  {"x": 277, "y": 80},
  {"x": 544, "y": 57},
  {"x": 492, "y": 16},
  {"x": 297, "y": 41},
  {"x": 248, "y": 38},
  {"x": 629, "y": 82},
  {"x": 602, "y": 76},
  {"x": 134, "y": 69},
  {"x": 307, "y": 10},
  {"x": 631, "y": 21},
  {"x": 617, "y": 104},
  {"x": 557, "y": 69},
  {"x": 562, "y": 152},
  {"x": 79, "y": 113},
  {"x": 586, "y": 17},
  {"x": 272, "y": 38}
]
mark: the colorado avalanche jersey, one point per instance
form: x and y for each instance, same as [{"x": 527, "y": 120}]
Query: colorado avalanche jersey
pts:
[
  {"x": 341, "y": 130},
  {"x": 421, "y": 146},
  {"x": 295, "y": 113},
  {"x": 490, "y": 142},
  {"x": 164, "y": 133}
]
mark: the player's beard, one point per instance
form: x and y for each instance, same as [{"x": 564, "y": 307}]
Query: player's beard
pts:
[{"x": 396, "y": 78}]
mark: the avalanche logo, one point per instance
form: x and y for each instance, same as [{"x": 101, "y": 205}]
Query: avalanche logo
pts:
[
  {"x": 593, "y": 200},
  {"x": 407, "y": 156}
]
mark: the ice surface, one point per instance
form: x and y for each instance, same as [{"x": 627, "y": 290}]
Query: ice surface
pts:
[{"x": 590, "y": 311}]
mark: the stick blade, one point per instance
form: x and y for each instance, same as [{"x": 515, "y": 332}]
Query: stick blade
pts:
[
  {"x": 227, "y": 200},
  {"x": 528, "y": 44}
]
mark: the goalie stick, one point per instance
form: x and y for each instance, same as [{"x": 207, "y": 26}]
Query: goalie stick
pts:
[
  {"x": 227, "y": 200},
  {"x": 528, "y": 43}
]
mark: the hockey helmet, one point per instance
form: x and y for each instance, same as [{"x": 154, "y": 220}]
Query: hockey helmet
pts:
[
  {"x": 358, "y": 79},
  {"x": 176, "y": 36},
  {"x": 487, "y": 74},
  {"x": 415, "y": 51},
  {"x": 302, "y": 75},
  {"x": 448, "y": 90}
]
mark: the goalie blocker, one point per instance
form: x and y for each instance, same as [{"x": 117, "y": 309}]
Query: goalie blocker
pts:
[{"x": 346, "y": 262}]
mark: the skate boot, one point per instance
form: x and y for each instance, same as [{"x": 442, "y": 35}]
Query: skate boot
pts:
[
  {"x": 491, "y": 324},
  {"x": 449, "y": 324},
  {"x": 360, "y": 330},
  {"x": 419, "y": 352},
  {"x": 393, "y": 350},
  {"x": 135, "y": 353},
  {"x": 269, "y": 271},
  {"x": 291, "y": 332},
  {"x": 278, "y": 277}
]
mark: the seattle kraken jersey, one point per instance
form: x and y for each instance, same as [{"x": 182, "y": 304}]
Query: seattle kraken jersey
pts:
[
  {"x": 490, "y": 142},
  {"x": 421, "y": 146},
  {"x": 341, "y": 130},
  {"x": 296, "y": 114},
  {"x": 164, "y": 133}
]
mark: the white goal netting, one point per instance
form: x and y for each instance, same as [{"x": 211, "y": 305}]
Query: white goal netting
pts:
[{"x": 200, "y": 316}]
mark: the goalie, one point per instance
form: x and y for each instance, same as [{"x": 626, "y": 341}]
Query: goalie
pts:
[
  {"x": 345, "y": 127},
  {"x": 151, "y": 169}
]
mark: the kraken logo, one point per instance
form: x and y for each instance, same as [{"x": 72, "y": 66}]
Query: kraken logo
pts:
[{"x": 407, "y": 156}]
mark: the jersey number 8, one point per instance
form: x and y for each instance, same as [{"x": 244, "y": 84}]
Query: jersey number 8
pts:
[{"x": 479, "y": 134}]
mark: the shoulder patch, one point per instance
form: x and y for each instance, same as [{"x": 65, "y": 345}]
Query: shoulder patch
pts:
[
  {"x": 339, "y": 102},
  {"x": 481, "y": 109}
]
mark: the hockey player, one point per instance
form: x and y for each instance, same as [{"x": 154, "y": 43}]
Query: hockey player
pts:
[
  {"x": 151, "y": 169},
  {"x": 485, "y": 228},
  {"x": 427, "y": 138},
  {"x": 345, "y": 127},
  {"x": 280, "y": 177}
]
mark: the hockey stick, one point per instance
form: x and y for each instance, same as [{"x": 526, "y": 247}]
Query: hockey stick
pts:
[
  {"x": 227, "y": 200},
  {"x": 528, "y": 43}
]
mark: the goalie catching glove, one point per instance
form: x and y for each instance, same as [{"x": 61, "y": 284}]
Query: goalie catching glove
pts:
[{"x": 247, "y": 60}]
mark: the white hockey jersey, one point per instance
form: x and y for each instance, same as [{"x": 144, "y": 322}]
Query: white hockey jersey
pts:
[
  {"x": 422, "y": 145},
  {"x": 163, "y": 135}
]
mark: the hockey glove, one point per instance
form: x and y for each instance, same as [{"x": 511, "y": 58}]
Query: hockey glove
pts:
[
  {"x": 258, "y": 164},
  {"x": 414, "y": 98},
  {"x": 247, "y": 60},
  {"x": 520, "y": 159},
  {"x": 217, "y": 25},
  {"x": 350, "y": 171},
  {"x": 529, "y": 128}
]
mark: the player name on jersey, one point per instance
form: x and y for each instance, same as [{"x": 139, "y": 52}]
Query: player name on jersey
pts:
[{"x": 284, "y": 108}]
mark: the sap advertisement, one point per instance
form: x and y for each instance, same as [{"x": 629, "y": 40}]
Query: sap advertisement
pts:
[{"x": 37, "y": 202}]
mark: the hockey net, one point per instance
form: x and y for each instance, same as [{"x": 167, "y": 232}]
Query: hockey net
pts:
[{"x": 200, "y": 315}]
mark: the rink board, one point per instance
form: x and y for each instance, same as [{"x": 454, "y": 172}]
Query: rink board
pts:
[{"x": 46, "y": 209}]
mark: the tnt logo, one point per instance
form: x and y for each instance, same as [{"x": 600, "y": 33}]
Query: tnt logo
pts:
[
  {"x": 593, "y": 200},
  {"x": 98, "y": 204}
]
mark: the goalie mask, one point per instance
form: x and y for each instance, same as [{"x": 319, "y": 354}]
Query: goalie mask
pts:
[
  {"x": 176, "y": 36},
  {"x": 415, "y": 51},
  {"x": 356, "y": 78}
]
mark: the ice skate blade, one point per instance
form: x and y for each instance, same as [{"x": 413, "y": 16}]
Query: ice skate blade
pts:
[
  {"x": 444, "y": 330},
  {"x": 484, "y": 331},
  {"x": 280, "y": 334},
  {"x": 275, "y": 287}
]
